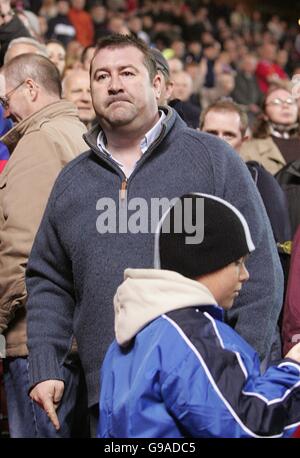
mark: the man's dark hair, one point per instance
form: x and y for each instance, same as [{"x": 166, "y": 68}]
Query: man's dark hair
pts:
[
  {"x": 223, "y": 105},
  {"x": 38, "y": 68},
  {"x": 121, "y": 41}
]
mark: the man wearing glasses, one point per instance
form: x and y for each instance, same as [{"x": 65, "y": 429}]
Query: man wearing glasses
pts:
[{"x": 47, "y": 135}]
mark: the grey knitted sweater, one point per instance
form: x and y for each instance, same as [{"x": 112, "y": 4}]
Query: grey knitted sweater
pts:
[{"x": 74, "y": 270}]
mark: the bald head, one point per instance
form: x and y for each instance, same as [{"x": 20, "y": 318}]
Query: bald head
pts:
[{"x": 35, "y": 67}]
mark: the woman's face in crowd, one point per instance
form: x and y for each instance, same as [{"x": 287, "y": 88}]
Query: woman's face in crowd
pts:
[
  {"x": 281, "y": 107},
  {"x": 57, "y": 55}
]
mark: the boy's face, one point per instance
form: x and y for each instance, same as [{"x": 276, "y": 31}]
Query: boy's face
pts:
[{"x": 225, "y": 284}]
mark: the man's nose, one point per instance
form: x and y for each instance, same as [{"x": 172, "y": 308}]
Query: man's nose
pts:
[
  {"x": 86, "y": 96},
  {"x": 115, "y": 84}
]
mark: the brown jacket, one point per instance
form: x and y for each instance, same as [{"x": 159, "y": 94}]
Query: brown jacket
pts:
[
  {"x": 264, "y": 151},
  {"x": 40, "y": 145}
]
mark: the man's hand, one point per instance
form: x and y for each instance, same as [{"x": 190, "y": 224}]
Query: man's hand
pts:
[{"x": 48, "y": 395}]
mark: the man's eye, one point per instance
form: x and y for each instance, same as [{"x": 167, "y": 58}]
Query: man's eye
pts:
[
  {"x": 127, "y": 73},
  {"x": 101, "y": 77}
]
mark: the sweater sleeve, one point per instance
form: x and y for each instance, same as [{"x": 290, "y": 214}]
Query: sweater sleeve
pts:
[
  {"x": 50, "y": 304},
  {"x": 255, "y": 313}
]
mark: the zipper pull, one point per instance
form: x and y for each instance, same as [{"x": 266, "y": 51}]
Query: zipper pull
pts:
[{"x": 123, "y": 189}]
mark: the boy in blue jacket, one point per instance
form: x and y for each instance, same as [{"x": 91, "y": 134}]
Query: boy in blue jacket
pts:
[{"x": 176, "y": 369}]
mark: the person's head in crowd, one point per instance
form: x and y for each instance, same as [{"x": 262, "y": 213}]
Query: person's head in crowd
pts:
[
  {"x": 87, "y": 56},
  {"x": 212, "y": 50},
  {"x": 218, "y": 261},
  {"x": 135, "y": 24},
  {"x": 30, "y": 82},
  {"x": 125, "y": 84},
  {"x": 279, "y": 112},
  {"x": 147, "y": 22},
  {"x": 57, "y": 55},
  {"x": 175, "y": 66},
  {"x": 248, "y": 64},
  {"x": 78, "y": 4},
  {"x": 227, "y": 120},
  {"x": 183, "y": 86},
  {"x": 207, "y": 38},
  {"x": 76, "y": 89},
  {"x": 98, "y": 13},
  {"x": 116, "y": 24},
  {"x": 225, "y": 83},
  {"x": 24, "y": 45},
  {"x": 63, "y": 7},
  {"x": 178, "y": 47},
  {"x": 268, "y": 51},
  {"x": 282, "y": 57},
  {"x": 74, "y": 53},
  {"x": 166, "y": 83}
]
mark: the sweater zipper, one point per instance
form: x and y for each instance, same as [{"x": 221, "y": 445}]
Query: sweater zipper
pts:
[{"x": 123, "y": 188}]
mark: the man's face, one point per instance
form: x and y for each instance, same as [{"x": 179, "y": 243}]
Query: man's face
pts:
[
  {"x": 225, "y": 125},
  {"x": 17, "y": 99},
  {"x": 77, "y": 90},
  {"x": 183, "y": 86},
  {"x": 122, "y": 92}
]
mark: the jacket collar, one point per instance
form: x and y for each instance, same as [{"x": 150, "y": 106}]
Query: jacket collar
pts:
[
  {"x": 91, "y": 136},
  {"x": 267, "y": 148},
  {"x": 35, "y": 121}
]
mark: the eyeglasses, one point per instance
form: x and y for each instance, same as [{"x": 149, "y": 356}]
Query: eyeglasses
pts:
[
  {"x": 4, "y": 100},
  {"x": 279, "y": 102}
]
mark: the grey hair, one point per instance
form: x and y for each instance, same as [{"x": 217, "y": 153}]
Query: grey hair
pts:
[{"x": 40, "y": 48}]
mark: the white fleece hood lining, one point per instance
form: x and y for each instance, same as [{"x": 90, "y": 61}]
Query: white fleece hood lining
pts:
[{"x": 146, "y": 294}]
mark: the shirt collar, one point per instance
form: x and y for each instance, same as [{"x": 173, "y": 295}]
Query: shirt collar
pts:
[{"x": 147, "y": 140}]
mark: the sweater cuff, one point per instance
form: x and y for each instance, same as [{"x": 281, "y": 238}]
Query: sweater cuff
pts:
[{"x": 44, "y": 365}]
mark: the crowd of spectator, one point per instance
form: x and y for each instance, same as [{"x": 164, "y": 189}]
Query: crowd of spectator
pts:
[{"x": 229, "y": 71}]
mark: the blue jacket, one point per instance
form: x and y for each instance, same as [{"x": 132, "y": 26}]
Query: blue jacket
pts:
[
  {"x": 74, "y": 270},
  {"x": 186, "y": 373}
]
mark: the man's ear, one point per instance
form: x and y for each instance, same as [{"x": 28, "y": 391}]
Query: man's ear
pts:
[
  {"x": 33, "y": 88},
  {"x": 157, "y": 85}
]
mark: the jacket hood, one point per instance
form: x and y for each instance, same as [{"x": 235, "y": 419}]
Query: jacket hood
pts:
[
  {"x": 35, "y": 121},
  {"x": 146, "y": 294}
]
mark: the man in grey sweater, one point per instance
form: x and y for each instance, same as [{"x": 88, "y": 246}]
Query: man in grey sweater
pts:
[{"x": 102, "y": 213}]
